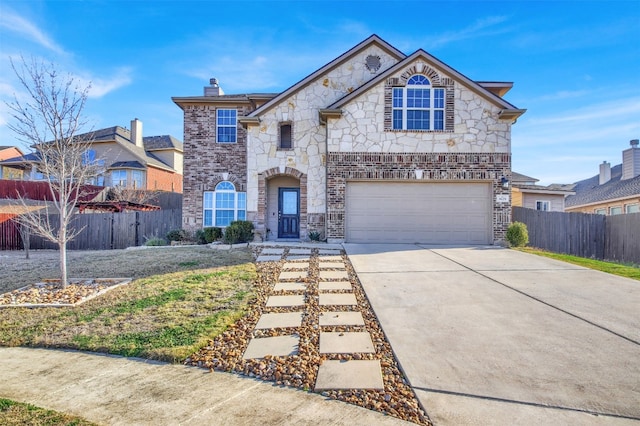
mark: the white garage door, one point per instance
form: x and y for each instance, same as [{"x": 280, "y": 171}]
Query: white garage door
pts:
[{"x": 432, "y": 213}]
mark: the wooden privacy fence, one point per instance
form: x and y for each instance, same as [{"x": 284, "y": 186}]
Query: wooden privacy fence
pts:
[
  {"x": 594, "y": 236},
  {"x": 104, "y": 231}
]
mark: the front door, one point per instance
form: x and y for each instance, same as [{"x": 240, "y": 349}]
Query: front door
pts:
[{"x": 288, "y": 212}]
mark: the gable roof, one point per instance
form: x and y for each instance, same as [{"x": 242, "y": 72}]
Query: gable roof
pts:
[
  {"x": 156, "y": 143},
  {"x": 508, "y": 109},
  {"x": 372, "y": 40},
  {"x": 589, "y": 191}
]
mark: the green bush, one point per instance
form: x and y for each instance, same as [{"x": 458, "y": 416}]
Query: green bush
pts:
[
  {"x": 200, "y": 239},
  {"x": 178, "y": 235},
  {"x": 239, "y": 231},
  {"x": 212, "y": 234},
  {"x": 517, "y": 234},
  {"x": 314, "y": 236},
  {"x": 155, "y": 241}
]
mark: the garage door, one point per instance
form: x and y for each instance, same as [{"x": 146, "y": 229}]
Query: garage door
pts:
[{"x": 432, "y": 213}]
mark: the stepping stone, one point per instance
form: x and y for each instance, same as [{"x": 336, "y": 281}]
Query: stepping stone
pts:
[
  {"x": 334, "y": 285},
  {"x": 333, "y": 275},
  {"x": 279, "y": 251},
  {"x": 330, "y": 258},
  {"x": 300, "y": 251},
  {"x": 293, "y": 275},
  {"x": 296, "y": 265},
  {"x": 337, "y": 299},
  {"x": 268, "y": 258},
  {"x": 337, "y": 342},
  {"x": 299, "y": 257},
  {"x": 329, "y": 251},
  {"x": 340, "y": 318},
  {"x": 276, "y": 346},
  {"x": 285, "y": 301},
  {"x": 289, "y": 287},
  {"x": 363, "y": 374},
  {"x": 331, "y": 265},
  {"x": 280, "y": 320}
]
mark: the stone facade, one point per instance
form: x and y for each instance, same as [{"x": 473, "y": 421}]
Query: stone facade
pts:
[{"x": 340, "y": 119}]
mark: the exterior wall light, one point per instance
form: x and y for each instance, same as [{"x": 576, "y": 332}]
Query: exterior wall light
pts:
[{"x": 505, "y": 182}]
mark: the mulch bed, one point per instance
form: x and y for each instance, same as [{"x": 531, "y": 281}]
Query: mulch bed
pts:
[{"x": 224, "y": 353}]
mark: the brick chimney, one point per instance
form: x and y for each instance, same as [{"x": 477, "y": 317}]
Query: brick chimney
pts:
[
  {"x": 631, "y": 161},
  {"x": 214, "y": 89},
  {"x": 605, "y": 173},
  {"x": 136, "y": 133}
]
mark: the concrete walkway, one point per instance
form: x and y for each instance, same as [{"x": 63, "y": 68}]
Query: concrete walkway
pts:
[
  {"x": 112, "y": 390},
  {"x": 491, "y": 336}
]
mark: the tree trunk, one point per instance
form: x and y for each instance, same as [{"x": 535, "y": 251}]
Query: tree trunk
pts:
[{"x": 63, "y": 264}]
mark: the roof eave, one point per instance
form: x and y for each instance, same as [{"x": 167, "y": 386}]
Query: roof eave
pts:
[
  {"x": 511, "y": 114},
  {"x": 325, "y": 114}
]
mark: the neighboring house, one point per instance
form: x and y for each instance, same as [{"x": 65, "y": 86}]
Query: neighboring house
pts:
[
  {"x": 8, "y": 172},
  {"x": 373, "y": 146},
  {"x": 128, "y": 159},
  {"x": 526, "y": 193},
  {"x": 615, "y": 190}
]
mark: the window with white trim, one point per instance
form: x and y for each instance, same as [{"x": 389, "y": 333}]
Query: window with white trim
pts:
[
  {"x": 544, "y": 206},
  {"x": 600, "y": 211},
  {"x": 615, "y": 210},
  {"x": 137, "y": 177},
  {"x": 226, "y": 125},
  {"x": 224, "y": 205},
  {"x": 119, "y": 178},
  {"x": 418, "y": 105},
  {"x": 632, "y": 208}
]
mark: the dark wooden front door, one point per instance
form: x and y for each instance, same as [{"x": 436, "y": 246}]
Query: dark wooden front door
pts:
[{"x": 288, "y": 212}]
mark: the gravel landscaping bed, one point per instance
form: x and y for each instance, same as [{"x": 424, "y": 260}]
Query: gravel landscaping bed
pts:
[{"x": 224, "y": 353}]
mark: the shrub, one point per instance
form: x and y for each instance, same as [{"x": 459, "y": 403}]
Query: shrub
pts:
[
  {"x": 200, "y": 239},
  {"x": 314, "y": 236},
  {"x": 212, "y": 234},
  {"x": 239, "y": 231},
  {"x": 155, "y": 241},
  {"x": 517, "y": 234},
  {"x": 178, "y": 235}
]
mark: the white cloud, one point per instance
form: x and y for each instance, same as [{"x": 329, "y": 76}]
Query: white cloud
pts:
[
  {"x": 481, "y": 27},
  {"x": 17, "y": 24},
  {"x": 103, "y": 86}
]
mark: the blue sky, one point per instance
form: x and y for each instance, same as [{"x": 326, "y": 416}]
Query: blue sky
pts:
[{"x": 575, "y": 65}]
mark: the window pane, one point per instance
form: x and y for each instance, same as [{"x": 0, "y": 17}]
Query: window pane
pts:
[
  {"x": 242, "y": 200},
  {"x": 285, "y": 136},
  {"x": 208, "y": 200},
  {"x": 633, "y": 208},
  {"x": 242, "y": 215},
  {"x": 224, "y": 217},
  {"x": 208, "y": 218},
  {"x": 438, "y": 98},
  {"x": 397, "y": 98},
  {"x": 438, "y": 120},
  {"x": 226, "y": 125},
  {"x": 419, "y": 79},
  {"x": 225, "y": 185},
  {"x": 397, "y": 119},
  {"x": 225, "y": 200},
  {"x": 418, "y": 120},
  {"x": 289, "y": 202}
]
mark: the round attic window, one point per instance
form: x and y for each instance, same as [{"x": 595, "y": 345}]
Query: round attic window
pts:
[{"x": 372, "y": 63}]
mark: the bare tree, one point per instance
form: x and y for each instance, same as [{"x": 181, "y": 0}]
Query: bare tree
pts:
[{"x": 49, "y": 120}]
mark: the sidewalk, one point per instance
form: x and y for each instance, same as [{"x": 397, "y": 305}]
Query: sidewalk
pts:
[{"x": 114, "y": 390}]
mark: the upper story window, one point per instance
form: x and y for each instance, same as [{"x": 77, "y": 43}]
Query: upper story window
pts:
[
  {"x": 418, "y": 105},
  {"x": 632, "y": 208},
  {"x": 224, "y": 205},
  {"x": 544, "y": 206},
  {"x": 286, "y": 141},
  {"x": 89, "y": 157},
  {"x": 226, "y": 126},
  {"x": 600, "y": 211},
  {"x": 615, "y": 210}
]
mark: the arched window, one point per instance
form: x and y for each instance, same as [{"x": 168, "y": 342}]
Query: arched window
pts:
[
  {"x": 224, "y": 205},
  {"x": 418, "y": 105}
]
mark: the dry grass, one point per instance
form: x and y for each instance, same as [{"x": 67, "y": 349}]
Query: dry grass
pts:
[
  {"x": 181, "y": 298},
  {"x": 16, "y": 271},
  {"x": 16, "y": 413}
]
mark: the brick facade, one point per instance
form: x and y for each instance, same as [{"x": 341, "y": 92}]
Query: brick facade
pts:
[
  {"x": 163, "y": 180},
  {"x": 206, "y": 162},
  {"x": 437, "y": 167}
]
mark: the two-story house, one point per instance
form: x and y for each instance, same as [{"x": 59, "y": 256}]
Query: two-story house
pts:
[
  {"x": 615, "y": 190},
  {"x": 375, "y": 146},
  {"x": 126, "y": 157}
]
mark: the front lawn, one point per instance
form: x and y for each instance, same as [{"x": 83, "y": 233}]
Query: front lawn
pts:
[
  {"x": 599, "y": 265},
  {"x": 17, "y": 413},
  {"x": 195, "y": 294}
]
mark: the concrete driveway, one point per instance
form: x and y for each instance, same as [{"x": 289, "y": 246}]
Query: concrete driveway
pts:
[{"x": 488, "y": 335}]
